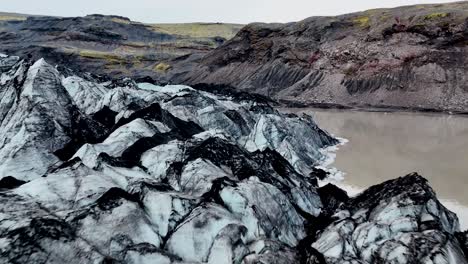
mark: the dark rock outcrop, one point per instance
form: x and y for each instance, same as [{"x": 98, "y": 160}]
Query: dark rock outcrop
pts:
[
  {"x": 409, "y": 58},
  {"x": 10, "y": 182}
]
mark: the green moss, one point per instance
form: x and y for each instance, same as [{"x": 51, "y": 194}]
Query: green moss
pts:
[
  {"x": 11, "y": 18},
  {"x": 162, "y": 67},
  {"x": 435, "y": 16},
  {"x": 109, "y": 57},
  {"x": 362, "y": 21},
  {"x": 120, "y": 20},
  {"x": 199, "y": 30},
  {"x": 385, "y": 17},
  {"x": 140, "y": 58}
]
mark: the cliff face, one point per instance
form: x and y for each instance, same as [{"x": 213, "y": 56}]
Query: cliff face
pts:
[{"x": 407, "y": 57}]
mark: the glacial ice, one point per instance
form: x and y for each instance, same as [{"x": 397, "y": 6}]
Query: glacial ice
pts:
[{"x": 120, "y": 172}]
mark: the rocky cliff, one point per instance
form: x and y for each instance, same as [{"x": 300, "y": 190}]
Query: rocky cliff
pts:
[
  {"x": 411, "y": 57},
  {"x": 127, "y": 172}
]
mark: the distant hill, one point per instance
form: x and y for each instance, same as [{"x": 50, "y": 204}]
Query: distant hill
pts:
[
  {"x": 200, "y": 30},
  {"x": 109, "y": 45},
  {"x": 4, "y": 16},
  {"x": 410, "y": 57}
]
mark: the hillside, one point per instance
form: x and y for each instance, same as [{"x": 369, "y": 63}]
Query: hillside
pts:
[
  {"x": 411, "y": 57},
  {"x": 4, "y": 16},
  {"x": 111, "y": 46},
  {"x": 200, "y": 30}
]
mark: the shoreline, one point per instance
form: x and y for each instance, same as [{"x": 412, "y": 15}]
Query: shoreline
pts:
[
  {"x": 338, "y": 178},
  {"x": 283, "y": 104}
]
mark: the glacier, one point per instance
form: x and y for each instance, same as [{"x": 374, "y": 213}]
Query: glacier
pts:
[{"x": 114, "y": 171}]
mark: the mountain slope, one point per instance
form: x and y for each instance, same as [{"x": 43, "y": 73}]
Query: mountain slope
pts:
[
  {"x": 112, "y": 46},
  {"x": 200, "y": 30},
  {"x": 408, "y": 57}
]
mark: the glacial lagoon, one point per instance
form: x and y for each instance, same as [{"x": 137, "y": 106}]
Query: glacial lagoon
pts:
[{"x": 383, "y": 146}]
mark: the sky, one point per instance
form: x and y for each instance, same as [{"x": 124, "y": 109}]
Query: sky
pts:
[{"x": 181, "y": 11}]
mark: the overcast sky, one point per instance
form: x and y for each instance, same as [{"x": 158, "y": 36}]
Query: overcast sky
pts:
[{"x": 169, "y": 11}]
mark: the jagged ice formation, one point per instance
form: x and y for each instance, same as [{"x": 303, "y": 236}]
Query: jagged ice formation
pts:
[{"x": 125, "y": 172}]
